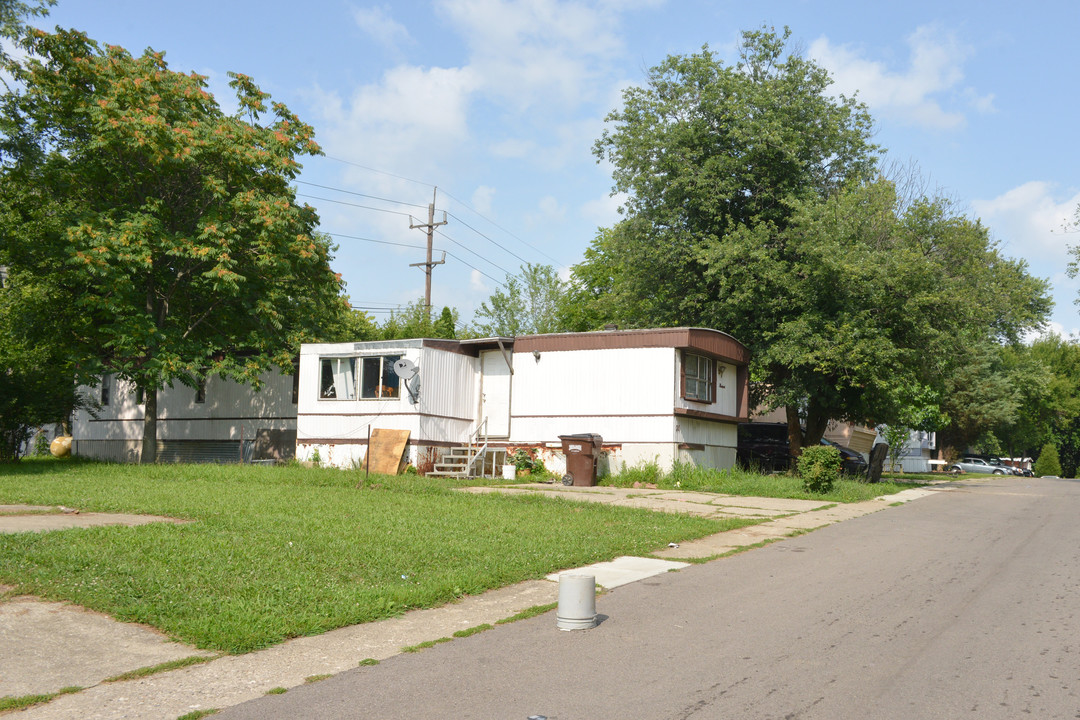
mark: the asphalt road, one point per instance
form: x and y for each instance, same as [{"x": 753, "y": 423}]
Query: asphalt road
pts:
[{"x": 960, "y": 605}]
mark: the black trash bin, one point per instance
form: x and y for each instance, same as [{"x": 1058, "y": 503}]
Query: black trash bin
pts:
[{"x": 582, "y": 452}]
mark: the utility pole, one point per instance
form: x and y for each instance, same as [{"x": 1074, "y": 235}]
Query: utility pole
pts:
[{"x": 430, "y": 226}]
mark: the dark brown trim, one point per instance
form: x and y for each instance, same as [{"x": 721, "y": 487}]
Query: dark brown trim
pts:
[
  {"x": 683, "y": 354},
  {"x": 712, "y": 381},
  {"x": 475, "y": 346},
  {"x": 363, "y": 441},
  {"x": 194, "y": 419},
  {"x": 451, "y": 346},
  {"x": 385, "y": 414},
  {"x": 742, "y": 392},
  {"x": 702, "y": 415},
  {"x": 621, "y": 415},
  {"x": 713, "y": 343},
  {"x": 682, "y": 374}
]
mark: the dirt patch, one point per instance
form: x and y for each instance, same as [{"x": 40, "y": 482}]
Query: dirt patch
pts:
[{"x": 40, "y": 518}]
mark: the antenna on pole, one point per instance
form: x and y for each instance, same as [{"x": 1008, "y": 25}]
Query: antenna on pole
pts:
[{"x": 430, "y": 226}]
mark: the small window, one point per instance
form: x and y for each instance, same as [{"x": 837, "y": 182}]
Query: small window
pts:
[
  {"x": 106, "y": 390},
  {"x": 140, "y": 396},
  {"x": 380, "y": 380},
  {"x": 200, "y": 391},
  {"x": 366, "y": 378},
  {"x": 698, "y": 377},
  {"x": 337, "y": 379}
]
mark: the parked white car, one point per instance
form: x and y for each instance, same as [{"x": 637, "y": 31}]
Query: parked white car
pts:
[{"x": 978, "y": 465}]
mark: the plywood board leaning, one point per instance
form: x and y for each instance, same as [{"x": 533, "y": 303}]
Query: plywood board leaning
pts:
[{"x": 385, "y": 451}]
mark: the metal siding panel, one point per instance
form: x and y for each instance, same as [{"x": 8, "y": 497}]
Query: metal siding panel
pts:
[
  {"x": 448, "y": 383},
  {"x": 612, "y": 429},
  {"x": 636, "y": 381},
  {"x": 231, "y": 409}
]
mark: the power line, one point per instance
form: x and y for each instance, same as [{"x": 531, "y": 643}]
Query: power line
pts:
[
  {"x": 418, "y": 247},
  {"x": 360, "y": 194},
  {"x": 501, "y": 247},
  {"x": 466, "y": 205},
  {"x": 453, "y": 197},
  {"x": 381, "y": 172},
  {"x": 364, "y": 207},
  {"x": 468, "y": 249},
  {"x": 373, "y": 240}
]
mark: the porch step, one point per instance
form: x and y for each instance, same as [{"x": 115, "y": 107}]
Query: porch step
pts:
[{"x": 455, "y": 461}]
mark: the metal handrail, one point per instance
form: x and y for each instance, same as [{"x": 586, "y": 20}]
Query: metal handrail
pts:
[{"x": 474, "y": 439}]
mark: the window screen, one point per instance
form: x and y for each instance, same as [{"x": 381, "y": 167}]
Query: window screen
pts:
[{"x": 698, "y": 371}]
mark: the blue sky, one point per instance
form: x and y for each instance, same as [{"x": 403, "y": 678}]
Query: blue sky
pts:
[{"x": 498, "y": 103}]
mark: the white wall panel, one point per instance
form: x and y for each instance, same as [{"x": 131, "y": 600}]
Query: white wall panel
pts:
[
  {"x": 613, "y": 429},
  {"x": 594, "y": 382}
]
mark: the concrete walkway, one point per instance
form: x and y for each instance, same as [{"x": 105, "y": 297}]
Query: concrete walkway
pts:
[{"x": 35, "y": 658}]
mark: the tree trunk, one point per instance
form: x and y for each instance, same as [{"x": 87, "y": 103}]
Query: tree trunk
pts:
[
  {"x": 794, "y": 431},
  {"x": 149, "y": 440},
  {"x": 816, "y": 425},
  {"x": 798, "y": 438},
  {"x": 877, "y": 462}
]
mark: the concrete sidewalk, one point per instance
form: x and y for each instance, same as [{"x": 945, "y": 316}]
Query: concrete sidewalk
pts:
[{"x": 32, "y": 661}]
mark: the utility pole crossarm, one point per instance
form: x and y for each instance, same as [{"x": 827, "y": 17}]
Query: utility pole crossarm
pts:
[{"x": 429, "y": 226}]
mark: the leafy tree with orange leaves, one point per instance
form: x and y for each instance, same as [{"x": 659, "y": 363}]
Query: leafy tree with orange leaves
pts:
[{"x": 166, "y": 231}]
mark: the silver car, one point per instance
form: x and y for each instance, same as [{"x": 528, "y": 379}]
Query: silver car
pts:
[{"x": 978, "y": 465}]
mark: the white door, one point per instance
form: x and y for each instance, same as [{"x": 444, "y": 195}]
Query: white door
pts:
[{"x": 495, "y": 392}]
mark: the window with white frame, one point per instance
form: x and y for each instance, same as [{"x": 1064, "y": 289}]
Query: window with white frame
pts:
[
  {"x": 698, "y": 378},
  {"x": 106, "y": 390},
  {"x": 363, "y": 378}
]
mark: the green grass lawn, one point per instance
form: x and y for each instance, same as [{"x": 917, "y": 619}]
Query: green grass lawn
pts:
[
  {"x": 739, "y": 482},
  {"x": 278, "y": 552}
]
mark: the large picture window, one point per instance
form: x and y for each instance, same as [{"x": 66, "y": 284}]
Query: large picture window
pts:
[
  {"x": 363, "y": 378},
  {"x": 698, "y": 378}
]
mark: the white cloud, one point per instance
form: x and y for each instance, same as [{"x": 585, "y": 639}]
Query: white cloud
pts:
[
  {"x": 541, "y": 54},
  {"x": 390, "y": 124},
  {"x": 1030, "y": 219},
  {"x": 476, "y": 281},
  {"x": 1029, "y": 222},
  {"x": 916, "y": 94},
  {"x": 548, "y": 213},
  {"x": 603, "y": 211},
  {"x": 378, "y": 23},
  {"x": 513, "y": 148},
  {"x": 481, "y": 199}
]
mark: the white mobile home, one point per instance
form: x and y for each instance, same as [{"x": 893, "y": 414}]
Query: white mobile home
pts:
[
  {"x": 660, "y": 395},
  {"x": 349, "y": 389},
  {"x": 219, "y": 421}
]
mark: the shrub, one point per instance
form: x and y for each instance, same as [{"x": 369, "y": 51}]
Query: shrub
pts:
[
  {"x": 525, "y": 459},
  {"x": 819, "y": 467},
  {"x": 1048, "y": 462}
]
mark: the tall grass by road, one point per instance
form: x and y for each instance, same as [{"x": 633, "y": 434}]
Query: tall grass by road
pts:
[
  {"x": 741, "y": 482},
  {"x": 277, "y": 552}
]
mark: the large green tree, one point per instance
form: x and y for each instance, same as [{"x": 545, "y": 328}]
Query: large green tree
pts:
[
  {"x": 167, "y": 229},
  {"x": 1046, "y": 376},
  {"x": 1073, "y": 268},
  {"x": 753, "y": 207},
  {"x": 527, "y": 304}
]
